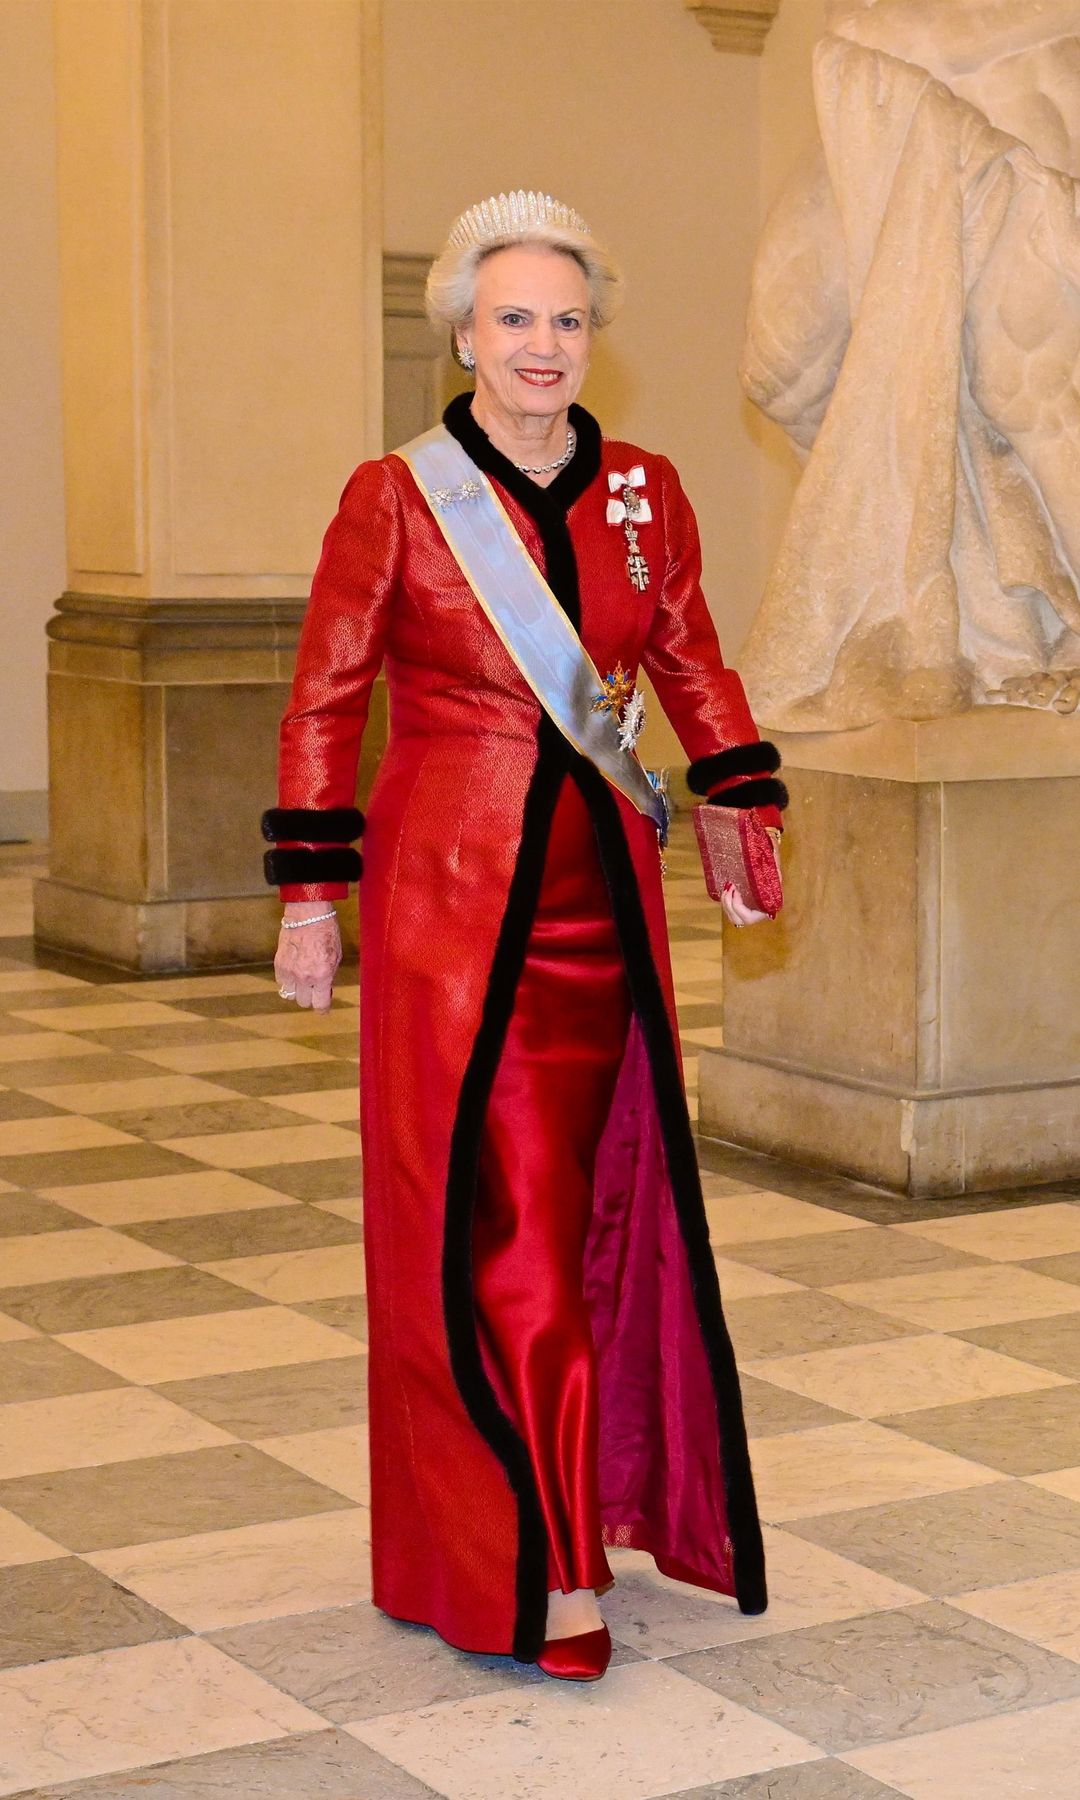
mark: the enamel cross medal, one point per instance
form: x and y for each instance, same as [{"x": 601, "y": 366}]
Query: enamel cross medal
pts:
[{"x": 631, "y": 510}]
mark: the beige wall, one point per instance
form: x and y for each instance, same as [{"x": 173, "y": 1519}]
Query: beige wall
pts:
[
  {"x": 622, "y": 105},
  {"x": 31, "y": 496},
  {"x": 624, "y": 108}
]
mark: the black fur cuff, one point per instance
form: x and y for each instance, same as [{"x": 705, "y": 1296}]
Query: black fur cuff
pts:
[
  {"x": 753, "y": 793},
  {"x": 290, "y": 868},
  {"x": 314, "y": 824},
  {"x": 740, "y": 759}
]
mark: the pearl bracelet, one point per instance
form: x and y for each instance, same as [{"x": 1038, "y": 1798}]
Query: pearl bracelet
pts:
[{"x": 316, "y": 919}]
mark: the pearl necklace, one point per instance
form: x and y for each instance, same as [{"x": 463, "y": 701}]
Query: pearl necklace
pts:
[{"x": 559, "y": 463}]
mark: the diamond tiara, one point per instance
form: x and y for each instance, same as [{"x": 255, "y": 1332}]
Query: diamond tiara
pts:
[{"x": 513, "y": 215}]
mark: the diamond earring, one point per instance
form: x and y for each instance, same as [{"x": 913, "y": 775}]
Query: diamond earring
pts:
[{"x": 466, "y": 357}]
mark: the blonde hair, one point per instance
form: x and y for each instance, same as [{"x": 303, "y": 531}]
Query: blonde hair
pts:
[{"x": 450, "y": 295}]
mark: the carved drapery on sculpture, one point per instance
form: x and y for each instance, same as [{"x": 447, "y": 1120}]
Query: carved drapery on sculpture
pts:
[{"x": 915, "y": 328}]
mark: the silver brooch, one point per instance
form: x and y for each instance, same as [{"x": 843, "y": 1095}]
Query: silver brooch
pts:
[{"x": 445, "y": 498}]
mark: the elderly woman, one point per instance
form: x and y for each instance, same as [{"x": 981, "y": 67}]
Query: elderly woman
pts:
[{"x": 550, "y": 1373}]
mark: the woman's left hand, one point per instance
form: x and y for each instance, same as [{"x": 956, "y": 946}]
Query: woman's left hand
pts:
[{"x": 735, "y": 907}]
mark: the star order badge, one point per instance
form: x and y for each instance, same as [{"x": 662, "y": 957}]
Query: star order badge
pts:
[{"x": 619, "y": 697}]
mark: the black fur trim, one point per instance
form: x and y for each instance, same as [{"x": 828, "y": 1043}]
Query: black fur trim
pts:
[
  {"x": 312, "y": 824},
  {"x": 681, "y": 1155},
  {"x": 554, "y": 757},
  {"x": 548, "y": 506},
  {"x": 769, "y": 792},
  {"x": 289, "y": 868},
  {"x": 740, "y": 759}
]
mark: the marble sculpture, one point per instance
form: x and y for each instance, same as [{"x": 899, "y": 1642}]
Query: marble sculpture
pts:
[{"x": 915, "y": 328}]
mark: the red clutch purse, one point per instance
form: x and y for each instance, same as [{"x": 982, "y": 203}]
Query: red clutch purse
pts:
[{"x": 736, "y": 847}]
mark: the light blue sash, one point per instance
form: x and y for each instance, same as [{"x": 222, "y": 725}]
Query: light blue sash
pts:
[{"x": 524, "y": 611}]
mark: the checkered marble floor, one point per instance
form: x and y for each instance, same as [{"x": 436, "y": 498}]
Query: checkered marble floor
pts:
[{"x": 183, "y": 1491}]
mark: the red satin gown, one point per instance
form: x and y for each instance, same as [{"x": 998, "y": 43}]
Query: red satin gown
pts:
[
  {"x": 545, "y": 1117},
  {"x": 549, "y": 1369}
]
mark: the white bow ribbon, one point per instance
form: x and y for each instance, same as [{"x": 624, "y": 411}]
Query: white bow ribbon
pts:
[{"x": 641, "y": 513}]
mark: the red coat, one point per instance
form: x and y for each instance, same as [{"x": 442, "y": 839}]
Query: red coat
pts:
[{"x": 453, "y": 857}]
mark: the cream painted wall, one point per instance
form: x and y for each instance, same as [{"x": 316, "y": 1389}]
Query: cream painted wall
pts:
[
  {"x": 625, "y": 109},
  {"x": 31, "y": 500}
]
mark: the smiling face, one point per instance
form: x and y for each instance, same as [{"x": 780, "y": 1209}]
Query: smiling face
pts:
[{"x": 530, "y": 330}]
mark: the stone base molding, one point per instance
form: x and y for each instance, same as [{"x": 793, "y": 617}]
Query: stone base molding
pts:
[
  {"x": 741, "y": 28},
  {"x": 911, "y": 1018}
]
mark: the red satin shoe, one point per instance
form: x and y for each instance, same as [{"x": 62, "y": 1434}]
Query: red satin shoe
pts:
[{"x": 583, "y": 1657}]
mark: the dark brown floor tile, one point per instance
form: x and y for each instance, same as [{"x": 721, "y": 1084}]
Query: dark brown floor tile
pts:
[
  {"x": 1052, "y": 1343},
  {"x": 24, "y": 953},
  {"x": 346, "y": 1047},
  {"x": 113, "y": 1162},
  {"x": 1009, "y": 1200},
  {"x": 885, "y": 1676},
  {"x": 167, "y": 1036},
  {"x": 262, "y": 1403},
  {"x": 876, "y": 1205},
  {"x": 94, "y": 1302},
  {"x": 58, "y": 1071},
  {"x": 348, "y": 1312},
  {"x": 721, "y": 1185},
  {"x": 771, "y": 1410},
  {"x": 289, "y": 1078},
  {"x": 247, "y": 1006},
  {"x": 60, "y": 1000},
  {"x": 329, "y": 1178},
  {"x": 21, "y": 1214},
  {"x": 950, "y": 1543},
  {"x": 206, "y": 1116},
  {"x": 780, "y": 1177},
  {"x": 38, "y": 1369},
  {"x": 1059, "y": 1268},
  {"x": 318, "y": 1765},
  {"x": 824, "y": 1259},
  {"x": 23, "y": 1106},
  {"x": 1020, "y": 1434},
  {"x": 698, "y": 1012},
  {"x": 828, "y": 1780},
  {"x": 258, "y": 1232},
  {"x": 63, "y": 1607},
  {"x": 788, "y": 1324},
  {"x": 154, "y": 1497},
  {"x": 356, "y": 1663},
  {"x": 10, "y": 1026}
]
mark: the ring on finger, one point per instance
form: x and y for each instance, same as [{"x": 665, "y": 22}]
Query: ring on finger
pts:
[{"x": 287, "y": 993}]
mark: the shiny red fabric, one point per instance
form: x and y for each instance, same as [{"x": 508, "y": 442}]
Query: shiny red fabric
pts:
[
  {"x": 443, "y": 838},
  {"x": 546, "y": 1114}
]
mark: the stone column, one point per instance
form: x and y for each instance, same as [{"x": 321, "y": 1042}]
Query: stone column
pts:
[
  {"x": 221, "y": 341},
  {"x": 912, "y": 1018}
]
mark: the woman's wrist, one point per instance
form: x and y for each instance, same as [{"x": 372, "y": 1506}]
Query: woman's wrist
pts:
[{"x": 307, "y": 909}]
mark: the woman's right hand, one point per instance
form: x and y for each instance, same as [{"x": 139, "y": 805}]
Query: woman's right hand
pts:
[{"x": 307, "y": 958}]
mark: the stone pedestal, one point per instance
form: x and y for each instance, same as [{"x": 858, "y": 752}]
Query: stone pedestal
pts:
[
  {"x": 913, "y": 1017},
  {"x": 221, "y": 301},
  {"x": 163, "y": 722}
]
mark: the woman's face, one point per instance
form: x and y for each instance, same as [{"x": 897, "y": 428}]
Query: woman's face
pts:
[{"x": 530, "y": 329}]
